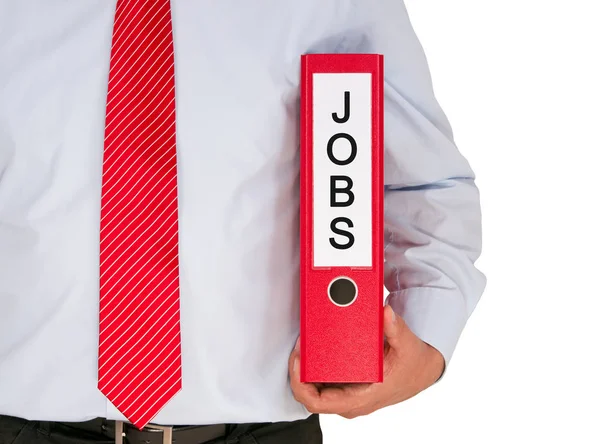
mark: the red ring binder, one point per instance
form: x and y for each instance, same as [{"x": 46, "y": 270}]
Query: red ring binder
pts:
[{"x": 341, "y": 213}]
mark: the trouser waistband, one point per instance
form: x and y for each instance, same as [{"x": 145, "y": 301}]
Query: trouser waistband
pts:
[{"x": 151, "y": 434}]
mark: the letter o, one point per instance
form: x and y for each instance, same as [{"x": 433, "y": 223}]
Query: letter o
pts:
[{"x": 333, "y": 139}]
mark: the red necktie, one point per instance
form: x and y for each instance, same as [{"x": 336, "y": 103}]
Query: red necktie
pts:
[{"x": 139, "y": 362}]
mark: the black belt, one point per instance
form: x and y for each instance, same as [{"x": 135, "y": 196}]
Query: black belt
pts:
[{"x": 151, "y": 434}]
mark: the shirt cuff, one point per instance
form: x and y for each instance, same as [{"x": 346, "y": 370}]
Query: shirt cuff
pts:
[{"x": 436, "y": 316}]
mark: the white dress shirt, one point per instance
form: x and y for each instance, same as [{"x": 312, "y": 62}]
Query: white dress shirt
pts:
[{"x": 237, "y": 70}]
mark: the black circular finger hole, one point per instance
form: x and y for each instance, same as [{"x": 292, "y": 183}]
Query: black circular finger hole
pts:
[{"x": 342, "y": 291}]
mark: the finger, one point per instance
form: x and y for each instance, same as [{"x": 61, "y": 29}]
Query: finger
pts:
[
  {"x": 356, "y": 413},
  {"x": 353, "y": 395},
  {"x": 359, "y": 399},
  {"x": 308, "y": 394},
  {"x": 394, "y": 328},
  {"x": 356, "y": 399},
  {"x": 340, "y": 385},
  {"x": 342, "y": 400},
  {"x": 305, "y": 393}
]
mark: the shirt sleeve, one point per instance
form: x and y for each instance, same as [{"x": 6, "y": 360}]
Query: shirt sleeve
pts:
[{"x": 432, "y": 206}]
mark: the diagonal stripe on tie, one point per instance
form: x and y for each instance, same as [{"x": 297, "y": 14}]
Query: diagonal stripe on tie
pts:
[{"x": 139, "y": 344}]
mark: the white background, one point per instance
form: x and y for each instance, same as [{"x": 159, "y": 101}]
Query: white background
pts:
[{"x": 519, "y": 81}]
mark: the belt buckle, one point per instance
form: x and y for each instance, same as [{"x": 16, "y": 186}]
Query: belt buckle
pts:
[
  {"x": 119, "y": 432},
  {"x": 167, "y": 432}
]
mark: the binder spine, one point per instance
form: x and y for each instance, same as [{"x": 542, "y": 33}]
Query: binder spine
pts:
[{"x": 341, "y": 218}]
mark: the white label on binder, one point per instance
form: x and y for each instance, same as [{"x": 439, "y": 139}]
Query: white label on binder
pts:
[{"x": 342, "y": 170}]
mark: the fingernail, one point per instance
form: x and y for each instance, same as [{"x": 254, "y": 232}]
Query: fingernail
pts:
[
  {"x": 393, "y": 316},
  {"x": 297, "y": 346},
  {"x": 295, "y": 365}
]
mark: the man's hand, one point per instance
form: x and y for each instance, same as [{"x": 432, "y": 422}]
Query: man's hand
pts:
[{"x": 409, "y": 367}]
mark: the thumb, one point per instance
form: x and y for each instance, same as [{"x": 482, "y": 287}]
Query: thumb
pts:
[{"x": 393, "y": 327}]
